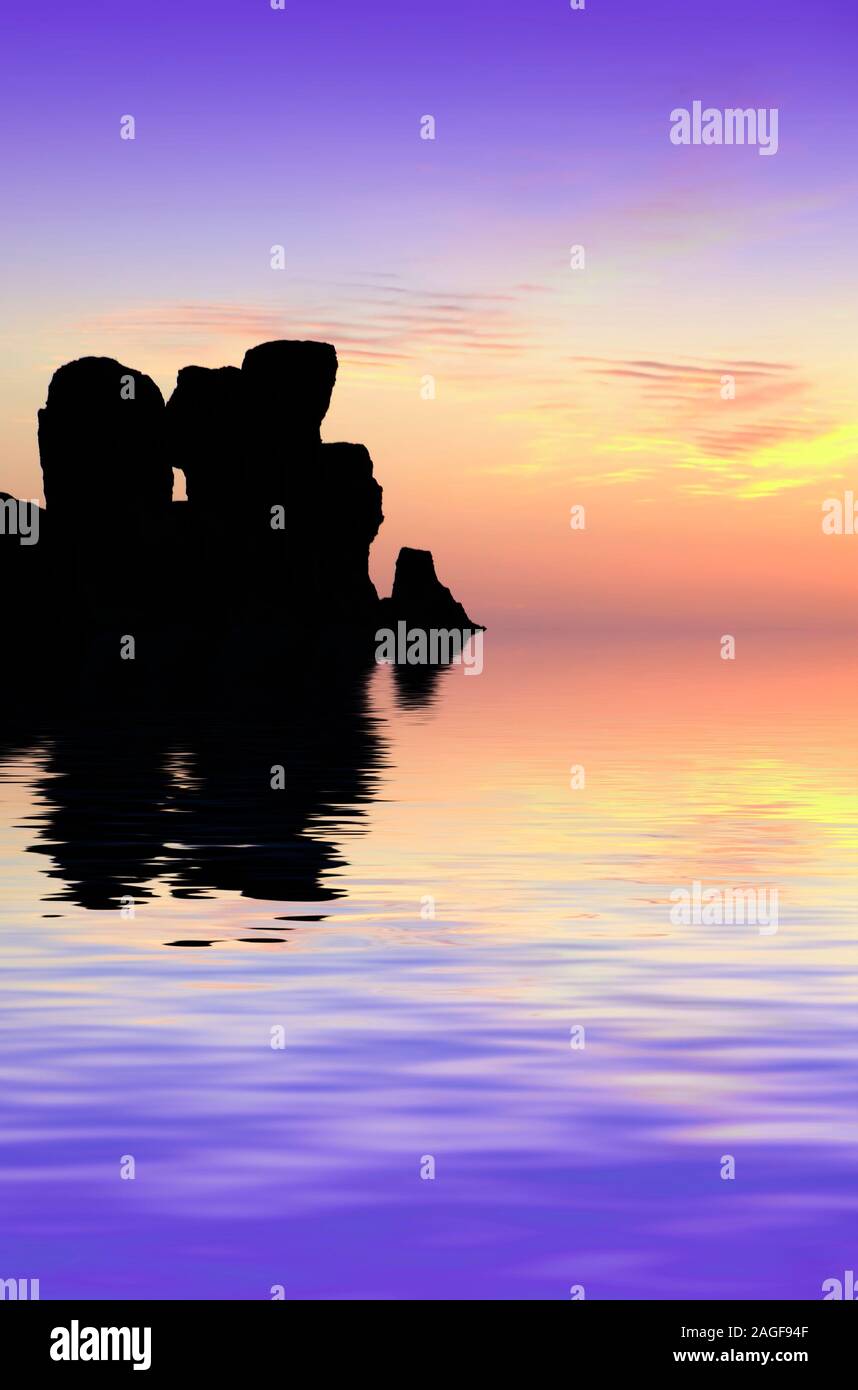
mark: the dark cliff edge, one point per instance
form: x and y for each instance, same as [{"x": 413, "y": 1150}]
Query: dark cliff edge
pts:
[{"x": 261, "y": 576}]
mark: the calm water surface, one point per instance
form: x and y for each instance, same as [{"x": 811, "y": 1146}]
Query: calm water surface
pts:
[{"x": 409, "y": 1035}]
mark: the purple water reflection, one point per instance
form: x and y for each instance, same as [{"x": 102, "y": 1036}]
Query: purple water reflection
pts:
[{"x": 408, "y": 1034}]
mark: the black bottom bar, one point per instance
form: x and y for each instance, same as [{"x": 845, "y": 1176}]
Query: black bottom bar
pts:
[{"x": 67, "y": 1339}]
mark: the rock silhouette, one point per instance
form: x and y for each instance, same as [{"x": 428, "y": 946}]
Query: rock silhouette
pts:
[
  {"x": 252, "y": 618},
  {"x": 108, "y": 486},
  {"x": 267, "y": 558},
  {"x": 289, "y": 386},
  {"x": 290, "y": 519},
  {"x": 419, "y": 598},
  {"x": 205, "y": 434},
  {"x": 101, "y": 444},
  {"x": 351, "y": 499}
]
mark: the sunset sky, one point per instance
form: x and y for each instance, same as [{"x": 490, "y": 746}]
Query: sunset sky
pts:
[{"x": 451, "y": 257}]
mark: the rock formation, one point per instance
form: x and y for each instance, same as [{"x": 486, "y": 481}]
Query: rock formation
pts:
[
  {"x": 271, "y": 548},
  {"x": 206, "y": 436},
  {"x": 101, "y": 443},
  {"x": 294, "y": 518},
  {"x": 289, "y": 387},
  {"x": 419, "y": 598}
]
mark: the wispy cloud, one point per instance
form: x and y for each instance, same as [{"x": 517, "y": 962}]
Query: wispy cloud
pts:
[
  {"x": 720, "y": 441},
  {"x": 385, "y": 323}
]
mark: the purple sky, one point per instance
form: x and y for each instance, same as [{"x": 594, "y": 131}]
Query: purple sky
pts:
[{"x": 301, "y": 127}]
